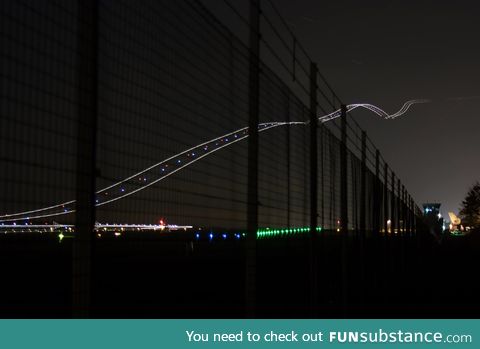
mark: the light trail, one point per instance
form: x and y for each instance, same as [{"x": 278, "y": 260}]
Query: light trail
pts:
[
  {"x": 157, "y": 172},
  {"x": 98, "y": 226},
  {"x": 380, "y": 112}
]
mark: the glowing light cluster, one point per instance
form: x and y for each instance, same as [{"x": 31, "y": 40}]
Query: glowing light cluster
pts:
[
  {"x": 269, "y": 233},
  {"x": 157, "y": 172},
  {"x": 97, "y": 227}
]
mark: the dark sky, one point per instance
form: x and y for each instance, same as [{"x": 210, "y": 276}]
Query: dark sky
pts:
[{"x": 387, "y": 52}]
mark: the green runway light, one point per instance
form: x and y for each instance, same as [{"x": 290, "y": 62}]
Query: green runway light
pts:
[{"x": 268, "y": 233}]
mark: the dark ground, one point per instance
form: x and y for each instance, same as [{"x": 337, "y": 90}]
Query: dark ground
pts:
[{"x": 162, "y": 277}]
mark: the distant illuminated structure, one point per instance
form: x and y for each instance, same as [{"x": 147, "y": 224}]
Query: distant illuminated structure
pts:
[
  {"x": 433, "y": 218},
  {"x": 456, "y": 227},
  {"x": 432, "y": 209}
]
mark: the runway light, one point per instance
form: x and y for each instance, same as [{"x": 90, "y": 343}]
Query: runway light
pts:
[
  {"x": 197, "y": 236},
  {"x": 224, "y": 236}
]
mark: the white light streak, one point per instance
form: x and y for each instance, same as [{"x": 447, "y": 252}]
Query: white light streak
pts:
[{"x": 175, "y": 163}]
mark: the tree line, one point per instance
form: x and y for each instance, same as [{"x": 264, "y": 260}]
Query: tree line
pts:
[{"x": 470, "y": 207}]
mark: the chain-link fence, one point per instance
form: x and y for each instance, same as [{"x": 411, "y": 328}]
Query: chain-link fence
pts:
[{"x": 126, "y": 131}]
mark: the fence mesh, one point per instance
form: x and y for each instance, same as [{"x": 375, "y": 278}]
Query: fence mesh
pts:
[{"x": 165, "y": 85}]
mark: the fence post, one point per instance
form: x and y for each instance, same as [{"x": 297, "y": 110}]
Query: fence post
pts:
[
  {"x": 363, "y": 188},
  {"x": 377, "y": 197},
  {"x": 344, "y": 207},
  {"x": 409, "y": 215},
  {"x": 252, "y": 199},
  {"x": 86, "y": 157},
  {"x": 385, "y": 199},
  {"x": 414, "y": 212},
  {"x": 288, "y": 145},
  {"x": 392, "y": 206},
  {"x": 343, "y": 173},
  {"x": 313, "y": 190},
  {"x": 363, "y": 217},
  {"x": 399, "y": 203},
  {"x": 322, "y": 173},
  {"x": 404, "y": 218},
  {"x": 376, "y": 220}
]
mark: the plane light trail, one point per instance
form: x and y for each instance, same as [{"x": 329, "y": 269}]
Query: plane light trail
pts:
[
  {"x": 154, "y": 174},
  {"x": 374, "y": 109}
]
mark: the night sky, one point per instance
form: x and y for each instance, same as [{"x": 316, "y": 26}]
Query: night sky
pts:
[
  {"x": 383, "y": 53},
  {"x": 387, "y": 52}
]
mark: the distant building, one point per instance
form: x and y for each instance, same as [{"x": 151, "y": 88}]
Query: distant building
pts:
[
  {"x": 433, "y": 217},
  {"x": 431, "y": 209}
]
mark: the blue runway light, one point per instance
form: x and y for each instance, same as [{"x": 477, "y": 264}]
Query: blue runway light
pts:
[
  {"x": 224, "y": 236},
  {"x": 197, "y": 236},
  {"x": 211, "y": 236}
]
